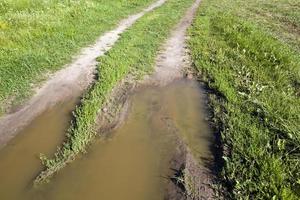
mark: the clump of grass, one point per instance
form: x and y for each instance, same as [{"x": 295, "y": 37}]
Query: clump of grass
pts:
[
  {"x": 134, "y": 54},
  {"x": 39, "y": 37},
  {"x": 256, "y": 71}
]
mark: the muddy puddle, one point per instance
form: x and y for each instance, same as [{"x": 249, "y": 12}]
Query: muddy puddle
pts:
[
  {"x": 19, "y": 162},
  {"x": 132, "y": 164}
]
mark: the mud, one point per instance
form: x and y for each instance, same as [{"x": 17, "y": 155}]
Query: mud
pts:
[
  {"x": 67, "y": 83},
  {"x": 19, "y": 162}
]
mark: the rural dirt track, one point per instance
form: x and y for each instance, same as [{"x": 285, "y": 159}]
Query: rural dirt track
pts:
[
  {"x": 173, "y": 57},
  {"x": 170, "y": 65},
  {"x": 69, "y": 82}
]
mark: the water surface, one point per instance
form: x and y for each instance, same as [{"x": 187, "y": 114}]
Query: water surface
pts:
[{"x": 133, "y": 164}]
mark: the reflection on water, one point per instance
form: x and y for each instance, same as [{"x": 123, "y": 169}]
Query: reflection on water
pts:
[{"x": 131, "y": 165}]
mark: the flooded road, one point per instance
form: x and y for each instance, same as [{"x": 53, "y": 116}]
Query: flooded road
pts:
[{"x": 132, "y": 164}]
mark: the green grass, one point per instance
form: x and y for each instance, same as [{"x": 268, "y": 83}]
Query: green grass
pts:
[
  {"x": 248, "y": 53},
  {"x": 134, "y": 54},
  {"x": 39, "y": 37}
]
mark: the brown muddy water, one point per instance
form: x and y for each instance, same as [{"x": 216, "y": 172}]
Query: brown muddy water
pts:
[{"x": 132, "y": 164}]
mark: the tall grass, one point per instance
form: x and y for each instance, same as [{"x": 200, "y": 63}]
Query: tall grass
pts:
[
  {"x": 39, "y": 37},
  {"x": 134, "y": 54},
  {"x": 255, "y": 69}
]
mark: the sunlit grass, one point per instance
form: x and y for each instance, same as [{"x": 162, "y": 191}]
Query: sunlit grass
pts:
[
  {"x": 39, "y": 37},
  {"x": 254, "y": 64}
]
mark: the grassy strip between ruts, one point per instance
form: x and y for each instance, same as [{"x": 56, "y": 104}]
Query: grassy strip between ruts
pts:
[
  {"x": 39, "y": 37},
  {"x": 134, "y": 53},
  {"x": 254, "y": 71}
]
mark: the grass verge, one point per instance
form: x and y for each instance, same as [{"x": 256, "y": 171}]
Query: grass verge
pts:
[
  {"x": 39, "y": 37},
  {"x": 134, "y": 54},
  {"x": 252, "y": 64}
]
